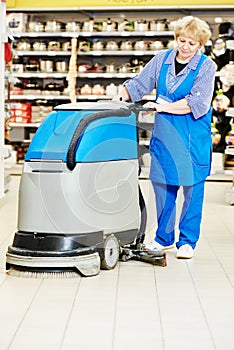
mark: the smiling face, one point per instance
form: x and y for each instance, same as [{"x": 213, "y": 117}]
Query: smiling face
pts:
[{"x": 187, "y": 47}]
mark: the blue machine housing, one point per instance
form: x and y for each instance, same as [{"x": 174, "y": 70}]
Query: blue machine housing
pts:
[{"x": 112, "y": 138}]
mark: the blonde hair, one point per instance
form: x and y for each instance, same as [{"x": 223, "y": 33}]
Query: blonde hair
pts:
[{"x": 193, "y": 27}]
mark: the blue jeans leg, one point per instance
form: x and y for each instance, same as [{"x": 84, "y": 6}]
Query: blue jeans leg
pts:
[
  {"x": 191, "y": 215},
  {"x": 165, "y": 196}
]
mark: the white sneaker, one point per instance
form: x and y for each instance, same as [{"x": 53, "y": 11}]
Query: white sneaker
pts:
[
  {"x": 153, "y": 245},
  {"x": 185, "y": 252}
]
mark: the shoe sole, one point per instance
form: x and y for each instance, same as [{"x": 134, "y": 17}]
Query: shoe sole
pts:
[
  {"x": 163, "y": 248},
  {"x": 169, "y": 247},
  {"x": 184, "y": 257}
]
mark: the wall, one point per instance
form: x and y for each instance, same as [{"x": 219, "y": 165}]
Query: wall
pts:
[{"x": 95, "y": 3}]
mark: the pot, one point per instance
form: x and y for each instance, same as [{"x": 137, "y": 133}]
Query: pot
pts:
[
  {"x": 141, "y": 25},
  {"x": 108, "y": 26},
  {"x": 46, "y": 66},
  {"x": 112, "y": 45},
  {"x": 158, "y": 25},
  {"x": 221, "y": 102},
  {"x": 23, "y": 46},
  {"x": 110, "y": 68},
  {"x": 88, "y": 26},
  {"x": 54, "y": 45},
  {"x": 36, "y": 26},
  {"x": 126, "y": 26},
  {"x": 32, "y": 85},
  {"x": 126, "y": 45},
  {"x": 66, "y": 46},
  {"x": 61, "y": 66},
  {"x": 83, "y": 68},
  {"x": 172, "y": 44},
  {"x": 226, "y": 75},
  {"x": 39, "y": 46},
  {"x": 96, "y": 68},
  {"x": 124, "y": 68},
  {"x": 219, "y": 47},
  {"x": 84, "y": 46},
  {"x": 98, "y": 90},
  {"x": 73, "y": 26},
  {"x": 111, "y": 89},
  {"x": 53, "y": 26},
  {"x": 54, "y": 86},
  {"x": 31, "y": 67},
  {"x": 171, "y": 25},
  {"x": 98, "y": 45},
  {"x": 86, "y": 90},
  {"x": 156, "y": 45},
  {"x": 141, "y": 45}
]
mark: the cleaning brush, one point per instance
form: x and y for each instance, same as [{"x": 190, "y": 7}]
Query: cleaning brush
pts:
[{"x": 43, "y": 274}]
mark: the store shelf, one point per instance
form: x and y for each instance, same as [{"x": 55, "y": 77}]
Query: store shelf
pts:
[
  {"x": 86, "y": 55},
  {"x": 59, "y": 97},
  {"x": 41, "y": 53},
  {"x": 93, "y": 34}
]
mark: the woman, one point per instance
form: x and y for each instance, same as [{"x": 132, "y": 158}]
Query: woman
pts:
[{"x": 180, "y": 145}]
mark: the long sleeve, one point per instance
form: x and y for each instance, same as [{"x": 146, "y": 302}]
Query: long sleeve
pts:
[{"x": 202, "y": 91}]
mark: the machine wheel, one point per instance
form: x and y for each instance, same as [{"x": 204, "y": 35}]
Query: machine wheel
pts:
[{"x": 110, "y": 253}]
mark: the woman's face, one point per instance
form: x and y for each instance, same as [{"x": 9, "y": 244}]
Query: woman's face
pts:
[{"x": 187, "y": 48}]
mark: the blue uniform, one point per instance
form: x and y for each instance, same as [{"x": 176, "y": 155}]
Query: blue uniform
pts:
[{"x": 180, "y": 145}]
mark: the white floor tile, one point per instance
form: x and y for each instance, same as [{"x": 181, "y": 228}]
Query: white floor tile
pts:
[{"x": 187, "y": 305}]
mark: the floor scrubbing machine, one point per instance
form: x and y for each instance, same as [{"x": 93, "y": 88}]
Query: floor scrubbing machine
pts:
[{"x": 79, "y": 193}]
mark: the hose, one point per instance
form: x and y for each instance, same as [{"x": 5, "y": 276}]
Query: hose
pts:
[{"x": 79, "y": 131}]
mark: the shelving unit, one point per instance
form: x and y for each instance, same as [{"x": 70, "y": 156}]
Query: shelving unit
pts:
[{"x": 101, "y": 57}]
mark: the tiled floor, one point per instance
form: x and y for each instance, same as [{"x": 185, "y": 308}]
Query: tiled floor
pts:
[{"x": 188, "y": 305}]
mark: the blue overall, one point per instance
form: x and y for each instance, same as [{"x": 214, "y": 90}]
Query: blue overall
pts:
[{"x": 181, "y": 149}]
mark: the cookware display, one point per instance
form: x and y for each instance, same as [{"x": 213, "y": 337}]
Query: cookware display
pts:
[
  {"x": 54, "y": 45},
  {"x": 124, "y": 68},
  {"x": 61, "y": 66},
  {"x": 98, "y": 45},
  {"x": 46, "y": 65},
  {"x": 73, "y": 26},
  {"x": 221, "y": 102},
  {"x": 98, "y": 89},
  {"x": 109, "y": 25},
  {"x": 17, "y": 68},
  {"x": 83, "y": 68},
  {"x": 172, "y": 44},
  {"x": 156, "y": 45},
  {"x": 111, "y": 89},
  {"x": 96, "y": 68},
  {"x": 84, "y": 46},
  {"x": 126, "y": 25},
  {"x": 126, "y": 45},
  {"x": 53, "y": 26},
  {"x": 141, "y": 45},
  {"x": 141, "y": 25},
  {"x": 111, "y": 68},
  {"x": 106, "y": 25},
  {"x": 158, "y": 25},
  {"x": 39, "y": 46},
  {"x": 36, "y": 26},
  {"x": 226, "y": 75},
  {"x": 112, "y": 45},
  {"x": 31, "y": 67},
  {"x": 91, "y": 25},
  {"x": 86, "y": 90},
  {"x": 23, "y": 46}
]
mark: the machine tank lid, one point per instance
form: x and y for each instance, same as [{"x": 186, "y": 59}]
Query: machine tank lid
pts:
[{"x": 92, "y": 106}]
